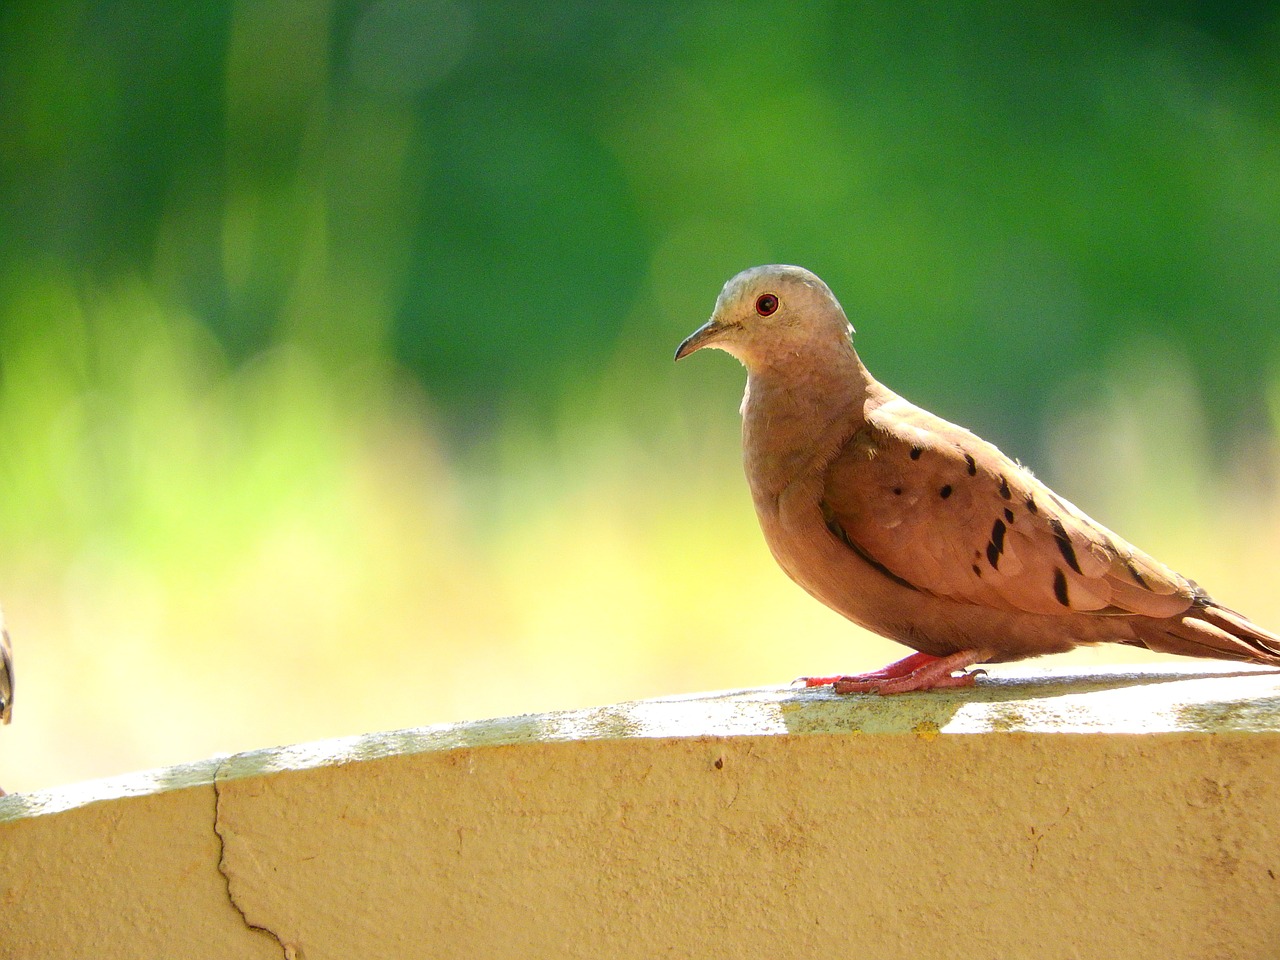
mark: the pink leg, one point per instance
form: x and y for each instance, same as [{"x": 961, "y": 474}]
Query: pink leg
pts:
[
  {"x": 917, "y": 672},
  {"x": 899, "y": 668}
]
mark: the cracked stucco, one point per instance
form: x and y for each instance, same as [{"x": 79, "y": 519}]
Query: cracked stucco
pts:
[
  {"x": 228, "y": 869},
  {"x": 1038, "y": 816}
]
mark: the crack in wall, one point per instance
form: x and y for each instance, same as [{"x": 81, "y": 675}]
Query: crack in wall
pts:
[{"x": 290, "y": 952}]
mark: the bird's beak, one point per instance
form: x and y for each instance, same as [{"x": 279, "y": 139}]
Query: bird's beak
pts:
[{"x": 699, "y": 338}]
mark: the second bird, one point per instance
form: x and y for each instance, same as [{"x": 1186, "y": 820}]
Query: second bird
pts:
[{"x": 919, "y": 530}]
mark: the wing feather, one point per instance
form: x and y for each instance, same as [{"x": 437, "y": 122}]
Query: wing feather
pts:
[{"x": 954, "y": 517}]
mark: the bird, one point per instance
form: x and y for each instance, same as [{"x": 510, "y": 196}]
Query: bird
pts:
[
  {"x": 6, "y": 675},
  {"x": 6, "y": 678},
  {"x": 917, "y": 529}
]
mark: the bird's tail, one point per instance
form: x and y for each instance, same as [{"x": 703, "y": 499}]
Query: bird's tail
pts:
[{"x": 1211, "y": 630}]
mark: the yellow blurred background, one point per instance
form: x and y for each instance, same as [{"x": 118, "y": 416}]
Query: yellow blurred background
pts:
[{"x": 336, "y": 390}]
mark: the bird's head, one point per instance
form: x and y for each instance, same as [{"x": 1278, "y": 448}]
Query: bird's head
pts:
[{"x": 766, "y": 314}]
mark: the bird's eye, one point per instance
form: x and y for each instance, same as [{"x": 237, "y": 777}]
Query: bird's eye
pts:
[{"x": 766, "y": 303}]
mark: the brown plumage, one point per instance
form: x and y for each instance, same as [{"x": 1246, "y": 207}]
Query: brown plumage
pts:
[{"x": 921, "y": 531}]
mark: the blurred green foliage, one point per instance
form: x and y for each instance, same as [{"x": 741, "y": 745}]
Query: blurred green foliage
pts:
[
  {"x": 491, "y": 193},
  {"x": 335, "y": 337}
]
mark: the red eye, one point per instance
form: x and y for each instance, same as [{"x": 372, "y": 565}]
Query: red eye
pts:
[{"x": 766, "y": 303}]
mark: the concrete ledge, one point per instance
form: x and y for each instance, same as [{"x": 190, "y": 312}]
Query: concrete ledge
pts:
[{"x": 1040, "y": 815}]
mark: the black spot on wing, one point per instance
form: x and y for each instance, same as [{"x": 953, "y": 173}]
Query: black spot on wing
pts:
[
  {"x": 945, "y": 491},
  {"x": 973, "y": 466},
  {"x": 1133, "y": 572},
  {"x": 1008, "y": 515},
  {"x": 995, "y": 546},
  {"x": 1004, "y": 489},
  {"x": 977, "y": 569},
  {"x": 1064, "y": 544},
  {"x": 1060, "y": 587},
  {"x": 915, "y": 453},
  {"x": 1031, "y": 504}
]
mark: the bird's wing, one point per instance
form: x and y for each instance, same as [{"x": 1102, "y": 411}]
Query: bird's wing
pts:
[{"x": 934, "y": 506}]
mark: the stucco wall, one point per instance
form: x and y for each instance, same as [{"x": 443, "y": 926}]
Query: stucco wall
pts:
[{"x": 1037, "y": 816}]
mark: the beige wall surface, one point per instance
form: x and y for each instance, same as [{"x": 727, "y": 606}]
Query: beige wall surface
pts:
[{"x": 1037, "y": 816}]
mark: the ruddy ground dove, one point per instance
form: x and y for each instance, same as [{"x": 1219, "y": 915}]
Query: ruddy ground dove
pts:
[
  {"x": 6, "y": 678},
  {"x": 6, "y": 675},
  {"x": 919, "y": 530}
]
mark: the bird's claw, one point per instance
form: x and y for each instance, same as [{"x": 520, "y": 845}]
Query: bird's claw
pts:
[{"x": 920, "y": 671}]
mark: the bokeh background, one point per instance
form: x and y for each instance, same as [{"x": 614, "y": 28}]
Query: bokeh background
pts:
[{"x": 336, "y": 389}]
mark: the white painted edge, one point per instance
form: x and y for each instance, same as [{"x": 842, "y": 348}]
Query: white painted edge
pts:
[{"x": 1175, "y": 698}]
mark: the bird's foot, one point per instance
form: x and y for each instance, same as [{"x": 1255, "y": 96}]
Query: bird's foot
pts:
[
  {"x": 899, "y": 668},
  {"x": 920, "y": 671},
  {"x": 909, "y": 683}
]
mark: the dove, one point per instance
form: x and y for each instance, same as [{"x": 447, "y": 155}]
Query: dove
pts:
[
  {"x": 917, "y": 529},
  {"x": 6, "y": 678},
  {"x": 6, "y": 675}
]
